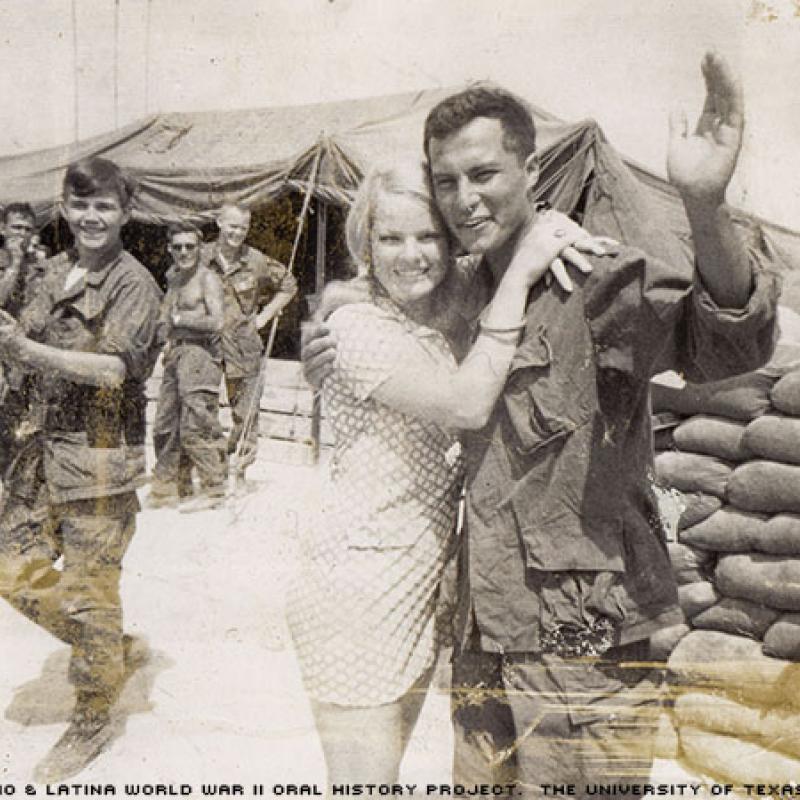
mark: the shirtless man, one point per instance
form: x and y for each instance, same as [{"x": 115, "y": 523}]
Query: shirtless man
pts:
[{"x": 187, "y": 418}]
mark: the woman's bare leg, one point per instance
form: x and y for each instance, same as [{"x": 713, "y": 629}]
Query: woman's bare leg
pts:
[
  {"x": 365, "y": 744},
  {"x": 361, "y": 744}
]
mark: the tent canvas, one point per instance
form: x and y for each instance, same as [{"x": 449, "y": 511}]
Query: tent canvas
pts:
[{"x": 190, "y": 163}]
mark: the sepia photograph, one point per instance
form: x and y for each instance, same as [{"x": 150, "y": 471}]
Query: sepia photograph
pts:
[{"x": 400, "y": 398}]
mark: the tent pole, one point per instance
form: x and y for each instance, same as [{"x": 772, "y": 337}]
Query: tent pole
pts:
[
  {"x": 116, "y": 63},
  {"x": 251, "y": 417},
  {"x": 319, "y": 284},
  {"x": 75, "y": 89}
]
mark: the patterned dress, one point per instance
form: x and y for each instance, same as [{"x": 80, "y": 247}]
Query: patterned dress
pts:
[{"x": 362, "y": 614}]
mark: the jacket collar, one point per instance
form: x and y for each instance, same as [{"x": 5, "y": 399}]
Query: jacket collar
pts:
[
  {"x": 93, "y": 278},
  {"x": 216, "y": 261},
  {"x": 97, "y": 276}
]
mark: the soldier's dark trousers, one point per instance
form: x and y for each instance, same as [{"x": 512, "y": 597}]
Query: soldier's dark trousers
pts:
[
  {"x": 532, "y": 720},
  {"x": 244, "y": 395},
  {"x": 80, "y": 603},
  {"x": 187, "y": 417},
  {"x": 12, "y": 411}
]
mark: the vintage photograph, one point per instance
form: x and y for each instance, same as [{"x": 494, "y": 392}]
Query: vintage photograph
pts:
[{"x": 400, "y": 398}]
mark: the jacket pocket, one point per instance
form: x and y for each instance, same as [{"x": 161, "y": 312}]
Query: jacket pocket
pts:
[
  {"x": 74, "y": 468},
  {"x": 244, "y": 287},
  {"x": 545, "y": 399}
]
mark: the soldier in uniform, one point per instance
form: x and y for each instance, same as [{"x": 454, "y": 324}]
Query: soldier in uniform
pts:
[
  {"x": 16, "y": 259},
  {"x": 187, "y": 418},
  {"x": 256, "y": 289},
  {"x": 91, "y": 336},
  {"x": 20, "y": 274},
  {"x": 564, "y": 574}
]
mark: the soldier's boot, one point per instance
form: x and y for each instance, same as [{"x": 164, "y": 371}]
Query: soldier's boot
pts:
[
  {"x": 135, "y": 654},
  {"x": 89, "y": 732},
  {"x": 162, "y": 495},
  {"x": 237, "y": 468},
  {"x": 210, "y": 498},
  {"x": 91, "y": 726}
]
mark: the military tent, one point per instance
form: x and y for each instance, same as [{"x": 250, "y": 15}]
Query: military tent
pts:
[{"x": 190, "y": 163}]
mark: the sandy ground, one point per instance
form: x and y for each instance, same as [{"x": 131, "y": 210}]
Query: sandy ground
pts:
[{"x": 220, "y": 700}]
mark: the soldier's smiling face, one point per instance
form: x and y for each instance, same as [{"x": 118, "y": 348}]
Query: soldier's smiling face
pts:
[
  {"x": 481, "y": 186},
  {"x": 95, "y": 220},
  {"x": 233, "y": 226},
  {"x": 184, "y": 247}
]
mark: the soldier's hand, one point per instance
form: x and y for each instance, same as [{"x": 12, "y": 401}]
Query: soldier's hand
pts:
[
  {"x": 341, "y": 293},
  {"x": 700, "y": 163},
  {"x": 317, "y": 352},
  {"x": 12, "y": 336}
]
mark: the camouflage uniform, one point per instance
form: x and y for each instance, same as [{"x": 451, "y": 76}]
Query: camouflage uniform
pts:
[
  {"x": 20, "y": 390},
  {"x": 187, "y": 417},
  {"x": 73, "y": 494},
  {"x": 249, "y": 285}
]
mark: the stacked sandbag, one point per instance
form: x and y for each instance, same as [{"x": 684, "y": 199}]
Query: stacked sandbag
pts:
[
  {"x": 736, "y": 711},
  {"x": 735, "y": 459}
]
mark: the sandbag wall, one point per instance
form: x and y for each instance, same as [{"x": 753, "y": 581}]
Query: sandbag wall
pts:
[{"x": 735, "y": 460}]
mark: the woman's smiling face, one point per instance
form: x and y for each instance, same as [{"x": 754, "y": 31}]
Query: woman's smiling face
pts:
[{"x": 409, "y": 249}]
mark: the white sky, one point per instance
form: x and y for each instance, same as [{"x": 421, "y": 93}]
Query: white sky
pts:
[{"x": 623, "y": 62}]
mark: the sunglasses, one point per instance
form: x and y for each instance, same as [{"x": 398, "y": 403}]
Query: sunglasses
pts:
[{"x": 189, "y": 248}]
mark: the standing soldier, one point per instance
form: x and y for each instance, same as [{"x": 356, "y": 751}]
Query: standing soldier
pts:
[
  {"x": 16, "y": 258},
  {"x": 90, "y": 334},
  {"x": 20, "y": 274},
  {"x": 187, "y": 418},
  {"x": 256, "y": 289}
]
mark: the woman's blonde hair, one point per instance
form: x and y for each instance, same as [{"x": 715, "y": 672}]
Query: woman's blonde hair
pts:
[{"x": 408, "y": 178}]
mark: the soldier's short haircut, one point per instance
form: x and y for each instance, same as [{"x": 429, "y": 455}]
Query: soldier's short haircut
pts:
[
  {"x": 183, "y": 226},
  {"x": 483, "y": 100},
  {"x": 21, "y": 210},
  {"x": 96, "y": 175},
  {"x": 232, "y": 207}
]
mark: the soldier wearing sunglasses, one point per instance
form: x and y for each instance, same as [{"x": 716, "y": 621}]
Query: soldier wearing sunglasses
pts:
[{"x": 187, "y": 428}]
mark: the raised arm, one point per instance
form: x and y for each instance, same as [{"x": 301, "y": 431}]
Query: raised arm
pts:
[
  {"x": 700, "y": 166},
  {"x": 127, "y": 343}
]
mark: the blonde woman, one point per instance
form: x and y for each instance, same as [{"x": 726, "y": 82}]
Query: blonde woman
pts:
[{"x": 362, "y": 617}]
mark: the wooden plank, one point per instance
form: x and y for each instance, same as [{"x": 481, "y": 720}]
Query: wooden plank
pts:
[
  {"x": 280, "y": 372},
  {"x": 289, "y": 400},
  {"x": 291, "y": 427}
]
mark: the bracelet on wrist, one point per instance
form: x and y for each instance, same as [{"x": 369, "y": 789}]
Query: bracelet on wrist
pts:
[
  {"x": 502, "y": 337},
  {"x": 508, "y": 329}
]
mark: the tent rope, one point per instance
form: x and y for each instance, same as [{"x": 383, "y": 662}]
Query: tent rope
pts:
[{"x": 255, "y": 400}]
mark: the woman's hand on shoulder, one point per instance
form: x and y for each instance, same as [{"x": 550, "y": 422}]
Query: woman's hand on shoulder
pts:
[
  {"x": 554, "y": 241},
  {"x": 317, "y": 352},
  {"x": 337, "y": 294},
  {"x": 318, "y": 344}
]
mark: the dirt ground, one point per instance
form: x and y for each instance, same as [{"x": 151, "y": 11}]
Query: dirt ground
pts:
[{"x": 220, "y": 700}]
